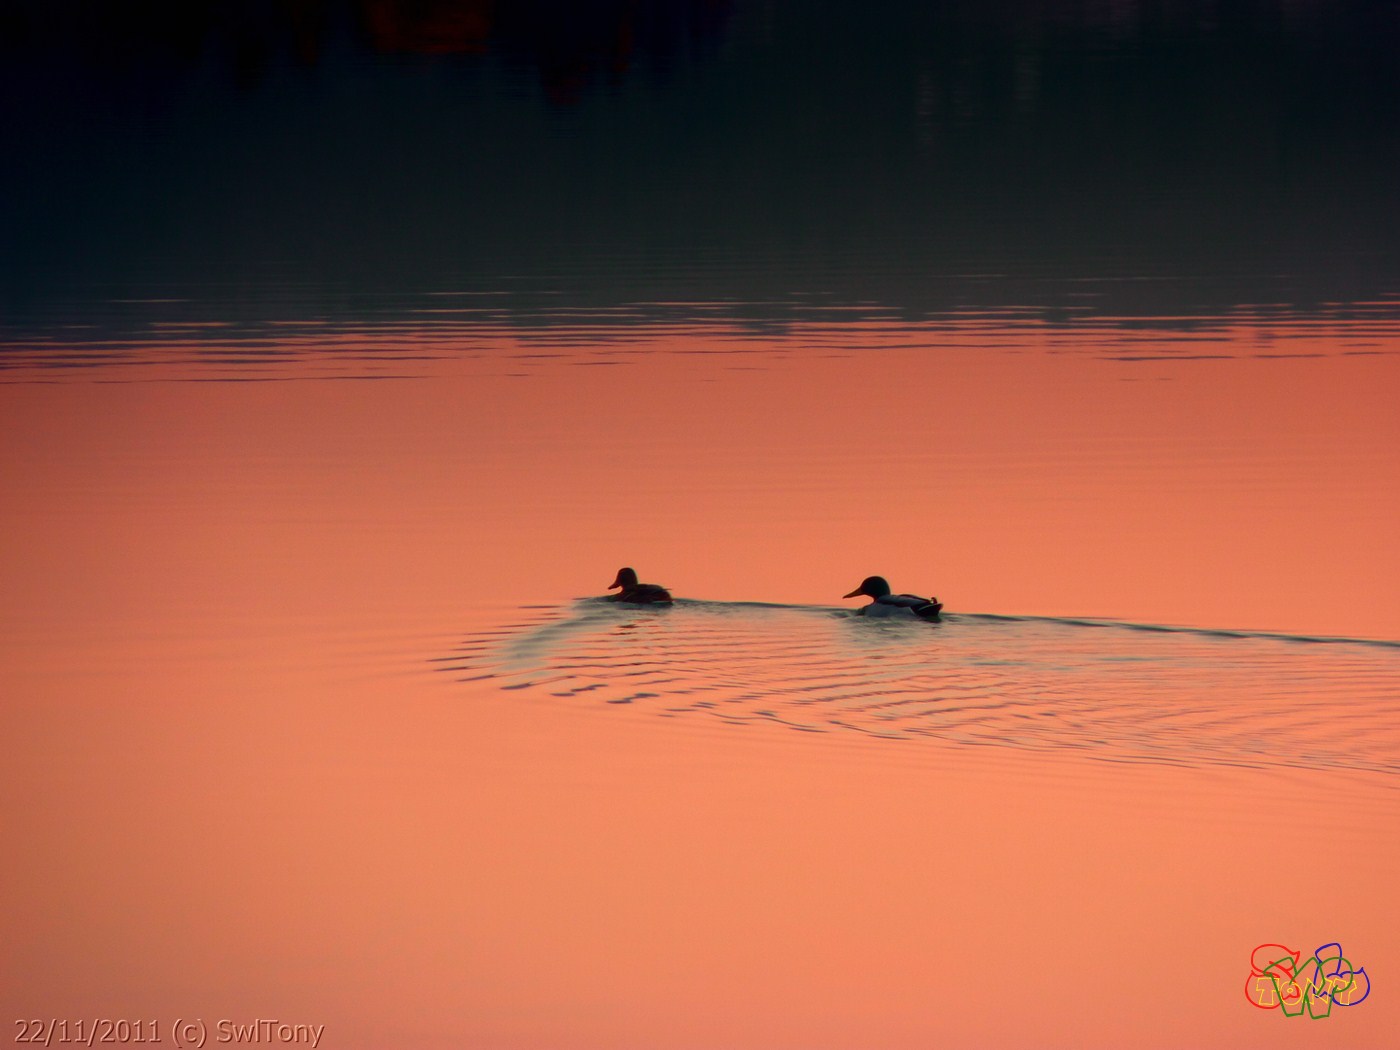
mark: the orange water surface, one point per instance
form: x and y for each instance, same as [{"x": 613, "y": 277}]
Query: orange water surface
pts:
[{"x": 239, "y": 786}]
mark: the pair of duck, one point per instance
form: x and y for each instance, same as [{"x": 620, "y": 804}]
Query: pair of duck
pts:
[{"x": 883, "y": 602}]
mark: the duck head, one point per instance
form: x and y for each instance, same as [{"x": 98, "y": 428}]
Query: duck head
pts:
[
  {"x": 625, "y": 578},
  {"x": 871, "y": 587}
]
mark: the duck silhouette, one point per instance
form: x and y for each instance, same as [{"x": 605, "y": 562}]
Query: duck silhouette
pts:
[
  {"x": 637, "y": 593},
  {"x": 886, "y": 604}
]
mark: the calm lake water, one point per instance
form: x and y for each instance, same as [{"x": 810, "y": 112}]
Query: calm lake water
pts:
[{"x": 348, "y": 349}]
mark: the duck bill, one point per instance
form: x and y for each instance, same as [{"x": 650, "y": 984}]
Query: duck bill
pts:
[
  {"x": 616, "y": 583},
  {"x": 854, "y": 594}
]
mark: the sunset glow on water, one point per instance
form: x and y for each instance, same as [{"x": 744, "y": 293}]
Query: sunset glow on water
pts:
[{"x": 316, "y": 716}]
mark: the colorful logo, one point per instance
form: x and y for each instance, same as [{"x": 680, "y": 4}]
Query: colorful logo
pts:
[{"x": 1277, "y": 981}]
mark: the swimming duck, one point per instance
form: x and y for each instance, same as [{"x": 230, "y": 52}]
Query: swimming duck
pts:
[
  {"x": 887, "y": 604},
  {"x": 638, "y": 593}
]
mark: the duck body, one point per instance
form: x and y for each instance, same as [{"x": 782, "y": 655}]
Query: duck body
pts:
[
  {"x": 885, "y": 603},
  {"x": 629, "y": 590}
]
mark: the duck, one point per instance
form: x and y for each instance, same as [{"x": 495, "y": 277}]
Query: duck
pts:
[
  {"x": 637, "y": 593},
  {"x": 887, "y": 604}
]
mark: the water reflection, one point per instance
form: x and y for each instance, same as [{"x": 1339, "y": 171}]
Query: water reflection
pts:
[
  {"x": 417, "y": 336},
  {"x": 1187, "y": 157}
]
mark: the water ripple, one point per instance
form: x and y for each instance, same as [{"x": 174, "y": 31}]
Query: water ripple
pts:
[{"x": 1122, "y": 692}]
